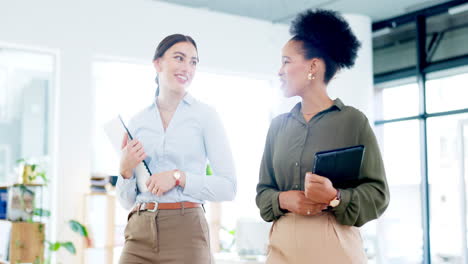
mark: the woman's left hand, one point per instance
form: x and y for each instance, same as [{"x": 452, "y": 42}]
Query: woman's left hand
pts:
[
  {"x": 319, "y": 189},
  {"x": 159, "y": 183}
]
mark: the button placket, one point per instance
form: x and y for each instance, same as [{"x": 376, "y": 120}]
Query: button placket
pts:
[
  {"x": 298, "y": 163},
  {"x": 306, "y": 134}
]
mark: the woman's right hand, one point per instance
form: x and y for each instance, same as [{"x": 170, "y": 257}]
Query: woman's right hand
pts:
[
  {"x": 296, "y": 202},
  {"x": 132, "y": 154}
]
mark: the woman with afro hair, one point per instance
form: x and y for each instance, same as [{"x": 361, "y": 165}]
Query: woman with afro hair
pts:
[{"x": 314, "y": 221}]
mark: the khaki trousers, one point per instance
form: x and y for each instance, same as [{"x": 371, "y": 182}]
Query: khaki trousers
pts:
[
  {"x": 167, "y": 237},
  {"x": 314, "y": 240}
]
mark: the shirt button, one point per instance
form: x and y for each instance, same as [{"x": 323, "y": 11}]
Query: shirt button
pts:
[
  {"x": 297, "y": 164},
  {"x": 296, "y": 186}
]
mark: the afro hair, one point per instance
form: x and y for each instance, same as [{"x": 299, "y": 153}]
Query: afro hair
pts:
[{"x": 327, "y": 33}]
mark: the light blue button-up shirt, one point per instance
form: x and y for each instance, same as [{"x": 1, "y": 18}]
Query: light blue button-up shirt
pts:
[{"x": 195, "y": 135}]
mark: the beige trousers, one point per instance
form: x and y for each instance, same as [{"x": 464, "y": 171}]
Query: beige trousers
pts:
[
  {"x": 167, "y": 237},
  {"x": 314, "y": 240}
]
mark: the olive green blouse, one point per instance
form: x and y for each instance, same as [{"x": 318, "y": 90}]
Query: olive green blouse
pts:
[{"x": 289, "y": 153}]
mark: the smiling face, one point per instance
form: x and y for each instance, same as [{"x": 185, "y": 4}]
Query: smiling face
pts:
[{"x": 176, "y": 68}]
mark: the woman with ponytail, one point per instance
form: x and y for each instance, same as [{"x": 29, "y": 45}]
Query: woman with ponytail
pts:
[
  {"x": 176, "y": 135},
  {"x": 313, "y": 221}
]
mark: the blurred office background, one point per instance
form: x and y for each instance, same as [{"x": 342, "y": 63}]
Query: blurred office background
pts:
[{"x": 67, "y": 67}]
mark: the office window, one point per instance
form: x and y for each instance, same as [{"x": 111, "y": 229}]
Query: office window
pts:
[
  {"x": 26, "y": 101},
  {"x": 26, "y": 82},
  {"x": 444, "y": 123},
  {"x": 383, "y": 241},
  {"x": 398, "y": 100},
  {"x": 447, "y": 188},
  {"x": 447, "y": 90}
]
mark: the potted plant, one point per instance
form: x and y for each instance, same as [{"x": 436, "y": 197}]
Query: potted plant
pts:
[{"x": 31, "y": 172}]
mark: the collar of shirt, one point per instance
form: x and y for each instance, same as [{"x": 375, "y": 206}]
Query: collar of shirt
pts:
[
  {"x": 188, "y": 99},
  {"x": 296, "y": 110}
]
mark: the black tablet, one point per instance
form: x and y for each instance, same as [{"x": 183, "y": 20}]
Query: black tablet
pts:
[{"x": 342, "y": 166}]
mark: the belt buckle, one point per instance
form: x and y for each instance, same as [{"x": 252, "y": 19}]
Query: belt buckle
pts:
[{"x": 155, "y": 207}]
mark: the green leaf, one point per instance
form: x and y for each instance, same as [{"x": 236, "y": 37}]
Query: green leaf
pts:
[
  {"x": 33, "y": 167},
  {"x": 232, "y": 232},
  {"x": 41, "y": 212},
  {"x": 43, "y": 176},
  {"x": 20, "y": 161},
  {"x": 78, "y": 228},
  {"x": 208, "y": 170},
  {"x": 25, "y": 189},
  {"x": 32, "y": 178},
  {"x": 54, "y": 246},
  {"x": 70, "y": 247}
]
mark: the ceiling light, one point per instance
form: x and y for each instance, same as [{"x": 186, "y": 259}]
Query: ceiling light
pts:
[
  {"x": 381, "y": 32},
  {"x": 458, "y": 9}
]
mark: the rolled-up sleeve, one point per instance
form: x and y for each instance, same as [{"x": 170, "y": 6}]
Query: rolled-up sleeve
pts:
[{"x": 222, "y": 185}]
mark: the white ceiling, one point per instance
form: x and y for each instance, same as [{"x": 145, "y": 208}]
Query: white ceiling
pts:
[{"x": 282, "y": 11}]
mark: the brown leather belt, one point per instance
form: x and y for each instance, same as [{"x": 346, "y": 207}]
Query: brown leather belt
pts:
[{"x": 153, "y": 206}]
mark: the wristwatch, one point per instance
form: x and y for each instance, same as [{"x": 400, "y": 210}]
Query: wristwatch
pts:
[
  {"x": 336, "y": 201},
  {"x": 177, "y": 177}
]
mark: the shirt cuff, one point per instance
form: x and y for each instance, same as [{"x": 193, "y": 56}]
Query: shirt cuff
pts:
[
  {"x": 122, "y": 182},
  {"x": 277, "y": 211},
  {"x": 193, "y": 184},
  {"x": 345, "y": 199}
]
